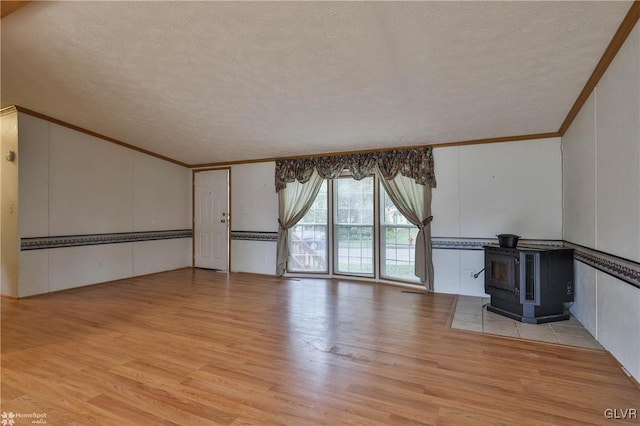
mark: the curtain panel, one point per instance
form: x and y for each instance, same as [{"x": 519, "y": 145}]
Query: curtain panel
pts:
[
  {"x": 294, "y": 202},
  {"x": 414, "y": 202},
  {"x": 416, "y": 164},
  {"x": 407, "y": 175}
]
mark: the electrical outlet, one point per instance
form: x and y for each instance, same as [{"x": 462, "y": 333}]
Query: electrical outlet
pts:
[
  {"x": 471, "y": 274},
  {"x": 99, "y": 264}
]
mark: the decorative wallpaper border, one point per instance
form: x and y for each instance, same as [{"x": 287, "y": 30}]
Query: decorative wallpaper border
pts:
[
  {"x": 622, "y": 269},
  {"x": 41, "y": 243},
  {"x": 254, "y": 236},
  {"x": 445, "y": 243},
  {"x": 453, "y": 243}
]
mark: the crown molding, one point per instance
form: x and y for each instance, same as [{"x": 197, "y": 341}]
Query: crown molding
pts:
[
  {"x": 8, "y": 7},
  {"x": 90, "y": 133},
  {"x": 8, "y": 110},
  {"x": 498, "y": 140},
  {"x": 625, "y": 28},
  {"x": 616, "y": 43},
  {"x": 366, "y": 151}
]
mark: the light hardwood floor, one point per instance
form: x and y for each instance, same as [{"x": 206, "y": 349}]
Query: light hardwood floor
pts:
[{"x": 195, "y": 347}]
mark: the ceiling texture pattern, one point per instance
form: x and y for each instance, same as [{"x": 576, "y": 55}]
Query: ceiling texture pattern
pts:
[{"x": 226, "y": 81}]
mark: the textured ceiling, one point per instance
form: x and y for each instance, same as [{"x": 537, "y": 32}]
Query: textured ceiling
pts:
[{"x": 223, "y": 81}]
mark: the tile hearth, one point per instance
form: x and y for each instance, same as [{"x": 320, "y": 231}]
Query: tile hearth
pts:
[{"x": 471, "y": 314}]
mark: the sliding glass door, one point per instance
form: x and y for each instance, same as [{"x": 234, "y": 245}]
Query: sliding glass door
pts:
[{"x": 353, "y": 228}]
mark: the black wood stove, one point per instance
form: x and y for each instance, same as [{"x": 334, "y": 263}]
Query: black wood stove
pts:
[{"x": 529, "y": 284}]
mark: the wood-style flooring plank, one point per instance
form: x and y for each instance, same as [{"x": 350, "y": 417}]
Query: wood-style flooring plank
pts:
[{"x": 196, "y": 347}]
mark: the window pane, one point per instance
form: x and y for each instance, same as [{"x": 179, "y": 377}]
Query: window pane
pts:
[
  {"x": 353, "y": 234},
  {"x": 354, "y": 226},
  {"x": 308, "y": 238},
  {"x": 397, "y": 242},
  {"x": 391, "y": 215}
]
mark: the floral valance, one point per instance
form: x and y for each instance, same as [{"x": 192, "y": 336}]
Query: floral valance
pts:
[{"x": 415, "y": 163}]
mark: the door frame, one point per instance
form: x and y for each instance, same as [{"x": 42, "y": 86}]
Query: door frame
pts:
[{"x": 193, "y": 214}]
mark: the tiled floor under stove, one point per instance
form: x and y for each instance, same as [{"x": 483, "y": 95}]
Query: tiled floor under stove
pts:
[{"x": 471, "y": 314}]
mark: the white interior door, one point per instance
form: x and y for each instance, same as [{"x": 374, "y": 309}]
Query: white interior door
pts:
[{"x": 211, "y": 227}]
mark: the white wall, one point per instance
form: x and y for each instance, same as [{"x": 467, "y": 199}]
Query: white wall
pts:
[
  {"x": 9, "y": 205},
  {"x": 254, "y": 207},
  {"x": 73, "y": 184},
  {"x": 490, "y": 189},
  {"x": 601, "y": 197},
  {"x": 483, "y": 190}
]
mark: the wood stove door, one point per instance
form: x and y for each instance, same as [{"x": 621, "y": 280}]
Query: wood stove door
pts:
[{"x": 502, "y": 272}]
